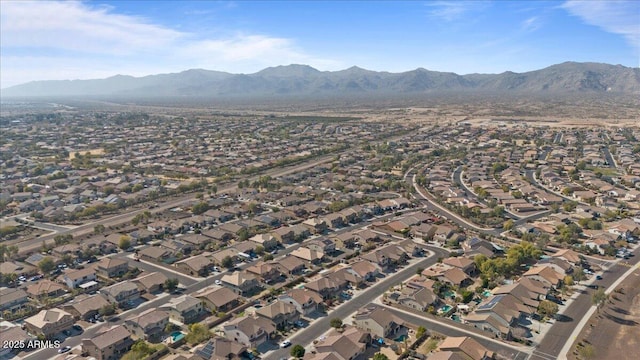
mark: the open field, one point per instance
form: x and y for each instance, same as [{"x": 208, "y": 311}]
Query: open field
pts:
[{"x": 613, "y": 333}]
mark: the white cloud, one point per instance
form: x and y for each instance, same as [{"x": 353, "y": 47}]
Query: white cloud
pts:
[
  {"x": 453, "y": 10},
  {"x": 75, "y": 40},
  {"x": 531, "y": 24},
  {"x": 617, "y": 17}
]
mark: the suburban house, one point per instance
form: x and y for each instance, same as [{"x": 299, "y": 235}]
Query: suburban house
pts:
[
  {"x": 267, "y": 241},
  {"x": 366, "y": 270},
  {"x": 150, "y": 282},
  {"x": 418, "y": 298},
  {"x": 466, "y": 346},
  {"x": 148, "y": 325},
  {"x": 323, "y": 245},
  {"x": 545, "y": 274},
  {"x": 305, "y": 301},
  {"x": 13, "y": 335},
  {"x": 49, "y": 323},
  {"x": 122, "y": 293},
  {"x": 85, "y": 307},
  {"x": 13, "y": 300},
  {"x": 266, "y": 272},
  {"x": 249, "y": 331},
  {"x": 195, "y": 265},
  {"x": 111, "y": 267},
  {"x": 290, "y": 265},
  {"x": 315, "y": 225},
  {"x": 463, "y": 263},
  {"x": 45, "y": 289},
  {"x": 348, "y": 344},
  {"x": 308, "y": 255},
  {"x": 387, "y": 257},
  {"x": 75, "y": 278},
  {"x": 156, "y": 254},
  {"x": 185, "y": 309},
  {"x": 326, "y": 287},
  {"x": 110, "y": 344},
  {"x": 220, "y": 348},
  {"x": 218, "y": 298},
  {"x": 281, "y": 314},
  {"x": 241, "y": 282},
  {"x": 378, "y": 321}
]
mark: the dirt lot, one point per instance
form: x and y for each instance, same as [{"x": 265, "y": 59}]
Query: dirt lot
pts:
[{"x": 614, "y": 333}]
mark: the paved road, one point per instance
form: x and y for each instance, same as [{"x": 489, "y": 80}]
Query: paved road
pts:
[
  {"x": 440, "y": 326},
  {"x": 611, "y": 162},
  {"x": 321, "y": 325},
  {"x": 457, "y": 178},
  {"x": 553, "y": 342}
]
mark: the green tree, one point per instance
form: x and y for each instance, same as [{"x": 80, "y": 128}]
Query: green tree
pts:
[
  {"x": 297, "y": 351},
  {"x": 125, "y": 242},
  {"x": 227, "y": 262},
  {"x": 98, "y": 229},
  {"x": 259, "y": 250},
  {"x": 46, "y": 265},
  {"x": 420, "y": 332},
  {"x": 508, "y": 225},
  {"x": 197, "y": 334},
  {"x": 107, "y": 310},
  {"x": 200, "y": 208},
  {"x": 547, "y": 308},
  {"x": 171, "y": 284},
  {"x": 380, "y": 356},
  {"x": 598, "y": 298},
  {"x": 336, "y": 323}
]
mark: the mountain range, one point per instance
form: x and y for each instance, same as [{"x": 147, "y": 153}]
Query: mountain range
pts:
[{"x": 305, "y": 81}]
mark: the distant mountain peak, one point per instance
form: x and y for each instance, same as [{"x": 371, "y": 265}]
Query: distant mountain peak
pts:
[{"x": 303, "y": 80}]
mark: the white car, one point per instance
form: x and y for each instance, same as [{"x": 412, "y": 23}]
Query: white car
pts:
[
  {"x": 285, "y": 344},
  {"x": 218, "y": 282}
]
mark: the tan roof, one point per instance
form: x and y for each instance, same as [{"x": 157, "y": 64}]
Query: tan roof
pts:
[
  {"x": 307, "y": 254},
  {"x": 569, "y": 255},
  {"x": 9, "y": 295},
  {"x": 302, "y": 296},
  {"x": 110, "y": 337},
  {"x": 455, "y": 275},
  {"x": 342, "y": 345},
  {"x": 290, "y": 262},
  {"x": 261, "y": 268},
  {"x": 364, "y": 267},
  {"x": 458, "y": 262},
  {"x": 44, "y": 287},
  {"x": 150, "y": 316},
  {"x": 275, "y": 308},
  {"x": 467, "y": 345},
  {"x": 218, "y": 296},
  {"x": 83, "y": 305},
  {"x": 47, "y": 317},
  {"x": 546, "y": 272},
  {"x": 108, "y": 263},
  {"x": 238, "y": 278},
  {"x": 250, "y": 325},
  {"x": 148, "y": 280},
  {"x": 197, "y": 262},
  {"x": 79, "y": 274},
  {"x": 448, "y": 355}
]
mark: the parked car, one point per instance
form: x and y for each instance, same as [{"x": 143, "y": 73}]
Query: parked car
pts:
[
  {"x": 64, "y": 349},
  {"x": 285, "y": 344},
  {"x": 217, "y": 282}
]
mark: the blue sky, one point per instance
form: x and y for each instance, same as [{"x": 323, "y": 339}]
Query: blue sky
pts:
[{"x": 50, "y": 40}]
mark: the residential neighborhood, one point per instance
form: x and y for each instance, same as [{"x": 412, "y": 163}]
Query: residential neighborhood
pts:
[{"x": 251, "y": 236}]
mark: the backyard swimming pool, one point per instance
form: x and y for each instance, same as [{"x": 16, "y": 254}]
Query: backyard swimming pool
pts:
[{"x": 176, "y": 336}]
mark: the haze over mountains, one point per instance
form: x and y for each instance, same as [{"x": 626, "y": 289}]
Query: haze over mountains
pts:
[{"x": 305, "y": 81}]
